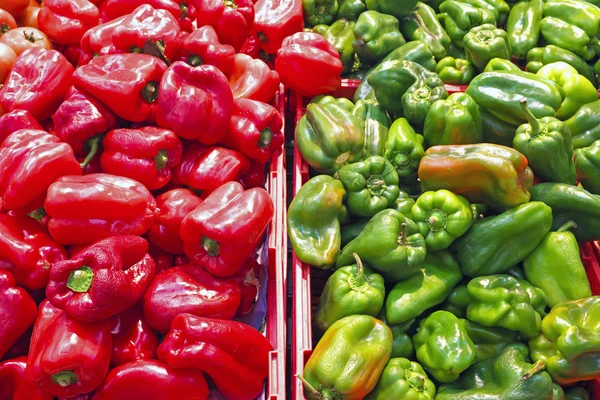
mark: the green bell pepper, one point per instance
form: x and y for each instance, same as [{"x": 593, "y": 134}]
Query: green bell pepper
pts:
[
  {"x": 495, "y": 130},
  {"x": 576, "y": 393},
  {"x": 495, "y": 244},
  {"x": 404, "y": 148},
  {"x": 489, "y": 341},
  {"x": 341, "y": 35},
  {"x": 523, "y": 27},
  {"x": 411, "y": 297},
  {"x": 393, "y": 7},
  {"x": 377, "y": 124},
  {"x": 371, "y": 186},
  {"x": 455, "y": 71},
  {"x": 585, "y": 125},
  {"x": 507, "y": 302},
  {"x": 314, "y": 221},
  {"x": 328, "y": 136},
  {"x": 485, "y": 42},
  {"x": 506, "y": 377},
  {"x": 423, "y": 24},
  {"x": 442, "y": 217},
  {"x": 350, "y": 290},
  {"x": 455, "y": 120},
  {"x": 570, "y": 341},
  {"x": 548, "y": 147},
  {"x": 350, "y": 9},
  {"x": 403, "y": 379},
  {"x": 501, "y": 92},
  {"x": 350, "y": 231},
  {"x": 517, "y": 272},
  {"x": 500, "y": 64},
  {"x": 443, "y": 346},
  {"x": 540, "y": 56},
  {"x": 390, "y": 244},
  {"x": 348, "y": 360},
  {"x": 404, "y": 204},
  {"x": 376, "y": 35},
  {"x": 557, "y": 392},
  {"x": 319, "y": 11},
  {"x": 499, "y": 8},
  {"x": 459, "y": 18},
  {"x": 587, "y": 162},
  {"x": 457, "y": 301},
  {"x": 402, "y": 346}
]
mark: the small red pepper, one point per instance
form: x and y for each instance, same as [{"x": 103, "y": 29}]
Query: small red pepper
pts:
[
  {"x": 65, "y": 22},
  {"x": 202, "y": 47},
  {"x": 173, "y": 206},
  {"x": 132, "y": 338},
  {"x": 37, "y": 83},
  {"x": 16, "y": 120},
  {"x": 27, "y": 251},
  {"x": 14, "y": 385},
  {"x": 194, "y": 102},
  {"x": 152, "y": 380},
  {"x": 125, "y": 83},
  {"x": 183, "y": 11},
  {"x": 233, "y": 354},
  {"x": 18, "y": 311},
  {"x": 146, "y": 154},
  {"x": 189, "y": 289},
  {"x": 255, "y": 129},
  {"x": 207, "y": 168},
  {"x": 103, "y": 280},
  {"x": 68, "y": 357},
  {"x": 30, "y": 160},
  {"x": 249, "y": 285},
  {"x": 232, "y": 19},
  {"x": 275, "y": 20},
  {"x": 98, "y": 40},
  {"x": 253, "y": 79},
  {"x": 224, "y": 231},
  {"x": 256, "y": 177},
  {"x": 309, "y": 64},
  {"x": 85, "y": 209},
  {"x": 251, "y": 46},
  {"x": 162, "y": 259}
]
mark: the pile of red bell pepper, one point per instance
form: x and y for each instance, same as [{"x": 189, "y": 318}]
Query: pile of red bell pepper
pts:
[{"x": 134, "y": 141}]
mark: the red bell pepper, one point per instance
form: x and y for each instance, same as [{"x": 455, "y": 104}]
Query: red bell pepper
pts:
[
  {"x": 181, "y": 260},
  {"x": 247, "y": 277},
  {"x": 85, "y": 209},
  {"x": 224, "y": 231},
  {"x": 189, "y": 289},
  {"x": 18, "y": 311},
  {"x": 275, "y": 20},
  {"x": 37, "y": 83},
  {"x": 68, "y": 357},
  {"x": 103, "y": 280},
  {"x": 231, "y": 19},
  {"x": 16, "y": 120},
  {"x": 183, "y": 11},
  {"x": 253, "y": 79},
  {"x": 80, "y": 118},
  {"x": 234, "y": 355},
  {"x": 255, "y": 129},
  {"x": 173, "y": 206},
  {"x": 152, "y": 380},
  {"x": 145, "y": 24},
  {"x": 251, "y": 46},
  {"x": 145, "y": 154},
  {"x": 132, "y": 338},
  {"x": 98, "y": 40},
  {"x": 27, "y": 251},
  {"x": 74, "y": 54},
  {"x": 14, "y": 384},
  {"x": 194, "y": 102},
  {"x": 125, "y": 83},
  {"x": 309, "y": 64},
  {"x": 256, "y": 177},
  {"x": 162, "y": 259},
  {"x": 202, "y": 47},
  {"x": 30, "y": 160},
  {"x": 207, "y": 168},
  {"x": 21, "y": 347},
  {"x": 65, "y": 22}
]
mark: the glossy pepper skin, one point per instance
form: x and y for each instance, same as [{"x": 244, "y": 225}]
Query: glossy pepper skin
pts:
[
  {"x": 398, "y": 252},
  {"x": 253, "y": 79},
  {"x": 587, "y": 162},
  {"x": 376, "y": 122},
  {"x": 132, "y": 338},
  {"x": 126, "y": 83},
  {"x": 376, "y": 35},
  {"x": 202, "y": 46},
  {"x": 232, "y": 21},
  {"x": 183, "y": 11},
  {"x": 276, "y": 20},
  {"x": 500, "y": 64},
  {"x": 18, "y": 311},
  {"x": 568, "y": 344},
  {"x": 396, "y": 9},
  {"x": 30, "y": 160},
  {"x": 485, "y": 42},
  {"x": 318, "y": 12},
  {"x": 423, "y": 24},
  {"x": 85, "y": 209},
  {"x": 146, "y": 155},
  {"x": 130, "y": 381},
  {"x": 67, "y": 357},
  {"x": 350, "y": 290},
  {"x": 350, "y": 9},
  {"x": 333, "y": 371},
  {"x": 576, "y": 393},
  {"x": 313, "y": 221},
  {"x": 460, "y": 17},
  {"x": 103, "y": 280},
  {"x": 540, "y": 56},
  {"x": 583, "y": 125},
  {"x": 489, "y": 341},
  {"x": 523, "y": 27},
  {"x": 455, "y": 71},
  {"x": 506, "y": 377},
  {"x": 17, "y": 120},
  {"x": 341, "y": 35},
  {"x": 234, "y": 355},
  {"x": 402, "y": 378},
  {"x": 65, "y": 23},
  {"x": 221, "y": 233},
  {"x": 97, "y": 41},
  {"x": 402, "y": 346},
  {"x": 495, "y": 130},
  {"x": 443, "y": 346},
  {"x": 14, "y": 384},
  {"x": 189, "y": 289},
  {"x": 248, "y": 279},
  {"x": 455, "y": 120},
  {"x": 37, "y": 83},
  {"x": 495, "y": 244},
  {"x": 404, "y": 148}
]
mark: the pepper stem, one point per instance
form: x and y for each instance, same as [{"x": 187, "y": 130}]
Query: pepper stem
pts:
[
  {"x": 537, "y": 367},
  {"x": 262, "y": 37},
  {"x": 310, "y": 387},
  {"x": 156, "y": 49},
  {"x": 536, "y": 128},
  {"x": 80, "y": 280},
  {"x": 265, "y": 138},
  {"x": 231, "y": 3},
  {"x": 359, "y": 277},
  {"x": 403, "y": 235},
  {"x": 93, "y": 144},
  {"x": 161, "y": 159},
  {"x": 4, "y": 28},
  {"x": 64, "y": 378},
  {"x": 150, "y": 92},
  {"x": 567, "y": 226},
  {"x": 31, "y": 37},
  {"x": 210, "y": 246},
  {"x": 38, "y": 214},
  {"x": 184, "y": 10},
  {"x": 194, "y": 60}
]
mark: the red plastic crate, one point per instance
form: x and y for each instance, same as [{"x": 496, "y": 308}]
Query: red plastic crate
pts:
[{"x": 304, "y": 301}]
